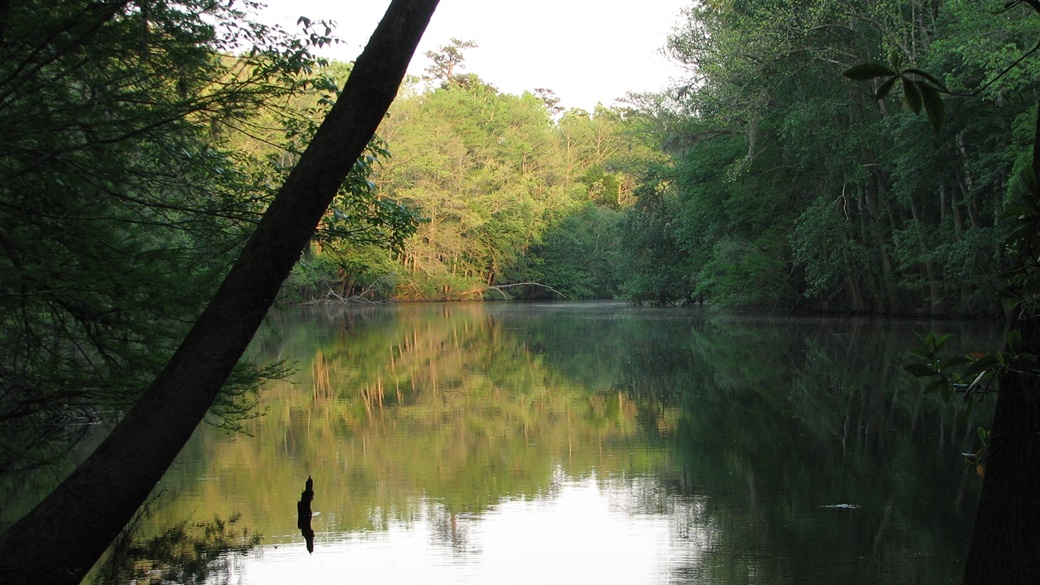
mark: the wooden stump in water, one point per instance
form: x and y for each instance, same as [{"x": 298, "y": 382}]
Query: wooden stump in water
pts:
[{"x": 303, "y": 514}]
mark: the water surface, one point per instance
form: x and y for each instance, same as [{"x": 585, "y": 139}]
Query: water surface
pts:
[{"x": 572, "y": 443}]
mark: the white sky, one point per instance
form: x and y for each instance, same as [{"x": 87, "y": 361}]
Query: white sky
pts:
[{"x": 587, "y": 51}]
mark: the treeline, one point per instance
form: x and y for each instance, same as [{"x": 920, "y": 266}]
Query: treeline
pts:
[
  {"x": 791, "y": 186},
  {"x": 766, "y": 179},
  {"x": 515, "y": 198}
]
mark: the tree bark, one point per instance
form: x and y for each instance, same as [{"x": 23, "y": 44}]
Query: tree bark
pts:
[
  {"x": 1005, "y": 542},
  {"x": 61, "y": 539}
]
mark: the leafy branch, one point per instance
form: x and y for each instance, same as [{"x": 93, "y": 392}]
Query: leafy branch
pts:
[
  {"x": 972, "y": 375},
  {"x": 920, "y": 89}
]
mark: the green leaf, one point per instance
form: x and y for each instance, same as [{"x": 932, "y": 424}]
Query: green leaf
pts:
[
  {"x": 920, "y": 370},
  {"x": 867, "y": 71},
  {"x": 933, "y": 107},
  {"x": 885, "y": 87},
  {"x": 1014, "y": 340},
  {"x": 983, "y": 434},
  {"x": 1021, "y": 211},
  {"x": 953, "y": 362},
  {"x": 1029, "y": 178},
  {"x": 936, "y": 386},
  {"x": 935, "y": 82},
  {"x": 912, "y": 95},
  {"x": 1010, "y": 303},
  {"x": 895, "y": 58},
  {"x": 986, "y": 362},
  {"x": 921, "y": 352},
  {"x": 943, "y": 339}
]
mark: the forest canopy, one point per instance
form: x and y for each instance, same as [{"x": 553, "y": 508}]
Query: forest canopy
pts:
[
  {"x": 788, "y": 185},
  {"x": 765, "y": 178}
]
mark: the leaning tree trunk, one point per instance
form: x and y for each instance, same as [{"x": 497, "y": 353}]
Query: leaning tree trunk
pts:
[
  {"x": 61, "y": 539},
  {"x": 1005, "y": 543}
]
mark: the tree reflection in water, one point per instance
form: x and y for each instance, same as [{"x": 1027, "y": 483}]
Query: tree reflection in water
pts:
[{"x": 733, "y": 430}]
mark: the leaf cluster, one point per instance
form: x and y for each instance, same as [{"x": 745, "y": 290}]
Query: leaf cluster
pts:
[{"x": 920, "y": 89}]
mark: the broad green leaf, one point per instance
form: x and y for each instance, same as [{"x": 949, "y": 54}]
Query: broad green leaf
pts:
[
  {"x": 953, "y": 362},
  {"x": 935, "y": 386},
  {"x": 1018, "y": 211},
  {"x": 1010, "y": 303},
  {"x": 885, "y": 88},
  {"x": 867, "y": 71},
  {"x": 1029, "y": 178},
  {"x": 935, "y": 82},
  {"x": 1014, "y": 340},
  {"x": 920, "y": 370},
  {"x": 936, "y": 343},
  {"x": 986, "y": 362},
  {"x": 983, "y": 434},
  {"x": 912, "y": 95},
  {"x": 921, "y": 352},
  {"x": 933, "y": 106}
]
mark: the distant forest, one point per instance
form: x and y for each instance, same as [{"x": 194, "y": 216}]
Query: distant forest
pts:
[{"x": 766, "y": 179}]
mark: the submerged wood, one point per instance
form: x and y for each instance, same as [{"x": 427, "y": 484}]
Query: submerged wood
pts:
[{"x": 304, "y": 513}]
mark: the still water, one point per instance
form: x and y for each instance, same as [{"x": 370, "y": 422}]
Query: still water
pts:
[{"x": 578, "y": 443}]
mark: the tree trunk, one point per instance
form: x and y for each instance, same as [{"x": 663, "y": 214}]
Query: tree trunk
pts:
[
  {"x": 63, "y": 537},
  {"x": 929, "y": 268},
  {"x": 1005, "y": 542}
]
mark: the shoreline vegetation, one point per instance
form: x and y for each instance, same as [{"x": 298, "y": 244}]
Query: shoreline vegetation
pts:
[
  {"x": 771, "y": 181},
  {"x": 144, "y": 148}
]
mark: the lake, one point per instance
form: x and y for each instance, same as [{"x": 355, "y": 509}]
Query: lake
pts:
[{"x": 590, "y": 442}]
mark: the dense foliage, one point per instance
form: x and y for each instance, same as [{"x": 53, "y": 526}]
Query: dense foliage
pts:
[
  {"x": 791, "y": 186},
  {"x": 131, "y": 177},
  {"x": 142, "y": 140},
  {"x": 513, "y": 194},
  {"x": 767, "y": 178}
]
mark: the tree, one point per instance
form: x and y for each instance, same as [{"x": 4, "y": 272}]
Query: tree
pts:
[
  {"x": 120, "y": 473},
  {"x": 916, "y": 217},
  {"x": 1005, "y": 546},
  {"x": 446, "y": 63},
  {"x": 123, "y": 200}
]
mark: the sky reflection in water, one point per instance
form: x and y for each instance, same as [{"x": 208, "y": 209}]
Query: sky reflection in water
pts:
[
  {"x": 591, "y": 443},
  {"x": 584, "y": 532}
]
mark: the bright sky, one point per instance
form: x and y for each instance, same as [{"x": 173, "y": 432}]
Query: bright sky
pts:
[{"x": 587, "y": 51}]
